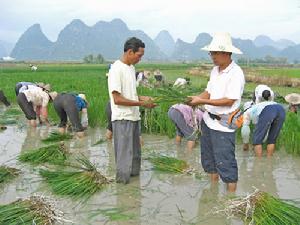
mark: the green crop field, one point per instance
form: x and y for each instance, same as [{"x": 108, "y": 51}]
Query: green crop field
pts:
[{"x": 91, "y": 80}]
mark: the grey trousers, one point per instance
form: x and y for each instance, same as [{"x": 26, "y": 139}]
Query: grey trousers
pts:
[
  {"x": 127, "y": 147},
  {"x": 27, "y": 107},
  {"x": 65, "y": 106}
]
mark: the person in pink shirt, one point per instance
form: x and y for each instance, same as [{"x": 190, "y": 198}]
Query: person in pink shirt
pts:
[{"x": 186, "y": 120}]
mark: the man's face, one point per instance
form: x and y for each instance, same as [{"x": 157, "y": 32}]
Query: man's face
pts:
[
  {"x": 219, "y": 58},
  {"x": 135, "y": 57}
]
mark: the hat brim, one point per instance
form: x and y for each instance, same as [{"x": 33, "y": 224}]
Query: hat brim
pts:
[
  {"x": 230, "y": 49},
  {"x": 293, "y": 98}
]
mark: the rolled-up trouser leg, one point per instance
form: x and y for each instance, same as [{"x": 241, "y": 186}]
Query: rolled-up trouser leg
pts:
[
  {"x": 218, "y": 153},
  {"x": 127, "y": 149}
]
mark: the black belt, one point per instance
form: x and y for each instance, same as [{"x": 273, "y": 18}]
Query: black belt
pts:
[{"x": 214, "y": 116}]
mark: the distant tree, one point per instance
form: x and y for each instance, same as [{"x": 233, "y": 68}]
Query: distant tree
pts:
[
  {"x": 99, "y": 59},
  {"x": 91, "y": 59}
]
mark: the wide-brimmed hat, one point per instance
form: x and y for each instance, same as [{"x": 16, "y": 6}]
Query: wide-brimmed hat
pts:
[
  {"x": 53, "y": 95},
  {"x": 293, "y": 98},
  {"x": 221, "y": 42},
  {"x": 47, "y": 87}
]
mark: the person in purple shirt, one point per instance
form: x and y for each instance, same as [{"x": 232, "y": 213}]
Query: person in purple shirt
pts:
[{"x": 186, "y": 120}]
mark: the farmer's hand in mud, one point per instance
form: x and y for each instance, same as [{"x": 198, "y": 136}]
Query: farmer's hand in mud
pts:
[{"x": 194, "y": 100}]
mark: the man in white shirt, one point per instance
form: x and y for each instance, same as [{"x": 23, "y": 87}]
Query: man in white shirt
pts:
[
  {"x": 221, "y": 98},
  {"x": 125, "y": 110}
]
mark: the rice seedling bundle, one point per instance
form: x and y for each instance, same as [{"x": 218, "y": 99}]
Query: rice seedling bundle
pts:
[
  {"x": 8, "y": 173},
  {"x": 34, "y": 210},
  {"x": 99, "y": 142},
  {"x": 172, "y": 165},
  {"x": 56, "y": 136},
  {"x": 172, "y": 95},
  {"x": 261, "y": 208},
  {"x": 81, "y": 183},
  {"x": 53, "y": 154}
]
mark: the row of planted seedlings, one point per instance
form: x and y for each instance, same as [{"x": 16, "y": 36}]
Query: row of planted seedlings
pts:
[{"x": 66, "y": 175}]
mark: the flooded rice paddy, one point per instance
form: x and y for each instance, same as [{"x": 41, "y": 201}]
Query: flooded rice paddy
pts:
[{"x": 153, "y": 197}]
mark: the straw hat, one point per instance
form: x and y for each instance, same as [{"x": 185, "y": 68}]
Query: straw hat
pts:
[
  {"x": 47, "y": 87},
  {"x": 53, "y": 95},
  {"x": 293, "y": 98},
  {"x": 221, "y": 42}
]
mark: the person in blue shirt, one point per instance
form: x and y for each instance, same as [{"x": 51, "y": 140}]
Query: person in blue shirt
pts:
[
  {"x": 69, "y": 106},
  {"x": 268, "y": 117}
]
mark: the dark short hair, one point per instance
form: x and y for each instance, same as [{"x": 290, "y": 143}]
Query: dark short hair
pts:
[
  {"x": 266, "y": 94},
  {"x": 134, "y": 44}
]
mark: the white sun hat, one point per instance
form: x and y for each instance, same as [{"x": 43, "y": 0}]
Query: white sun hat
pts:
[
  {"x": 221, "y": 42},
  {"x": 293, "y": 98}
]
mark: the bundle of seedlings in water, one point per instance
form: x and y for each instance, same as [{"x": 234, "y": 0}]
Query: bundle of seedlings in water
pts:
[
  {"x": 36, "y": 210},
  {"x": 8, "y": 173},
  {"x": 53, "y": 154},
  {"x": 80, "y": 183},
  {"x": 261, "y": 208},
  {"x": 172, "y": 165},
  {"x": 56, "y": 136}
]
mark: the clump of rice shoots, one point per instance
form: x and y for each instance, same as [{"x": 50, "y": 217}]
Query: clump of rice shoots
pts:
[
  {"x": 289, "y": 137},
  {"x": 173, "y": 95},
  {"x": 261, "y": 208},
  {"x": 81, "y": 183},
  {"x": 53, "y": 154},
  {"x": 36, "y": 210},
  {"x": 56, "y": 136},
  {"x": 99, "y": 142},
  {"x": 8, "y": 173},
  {"x": 172, "y": 165}
]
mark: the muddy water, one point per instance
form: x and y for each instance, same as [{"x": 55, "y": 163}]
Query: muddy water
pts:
[{"x": 152, "y": 198}]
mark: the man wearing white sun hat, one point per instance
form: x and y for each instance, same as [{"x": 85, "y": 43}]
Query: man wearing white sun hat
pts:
[{"x": 221, "y": 98}]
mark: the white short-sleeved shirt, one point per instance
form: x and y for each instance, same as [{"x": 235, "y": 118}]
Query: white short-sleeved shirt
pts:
[
  {"x": 37, "y": 96},
  {"x": 122, "y": 79},
  {"x": 228, "y": 83}
]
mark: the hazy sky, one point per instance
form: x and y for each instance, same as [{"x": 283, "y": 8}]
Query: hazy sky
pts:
[{"x": 184, "y": 19}]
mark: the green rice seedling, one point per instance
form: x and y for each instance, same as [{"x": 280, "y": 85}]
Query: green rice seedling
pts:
[
  {"x": 261, "y": 208},
  {"x": 173, "y": 95},
  {"x": 289, "y": 137},
  {"x": 114, "y": 214},
  {"x": 53, "y": 154},
  {"x": 172, "y": 165},
  {"x": 8, "y": 173},
  {"x": 99, "y": 142},
  {"x": 56, "y": 136},
  {"x": 81, "y": 183},
  {"x": 36, "y": 210}
]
